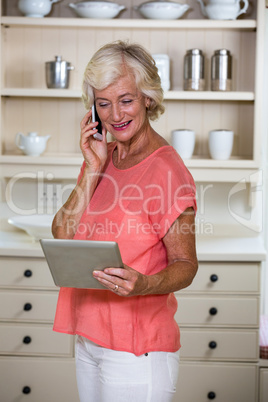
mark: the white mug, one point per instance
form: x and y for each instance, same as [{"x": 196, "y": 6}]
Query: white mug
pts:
[
  {"x": 183, "y": 140},
  {"x": 220, "y": 144},
  {"x": 163, "y": 64}
]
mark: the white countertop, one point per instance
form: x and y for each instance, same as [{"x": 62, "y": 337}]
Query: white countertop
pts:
[{"x": 209, "y": 248}]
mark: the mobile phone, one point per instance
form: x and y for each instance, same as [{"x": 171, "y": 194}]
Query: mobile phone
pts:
[{"x": 95, "y": 117}]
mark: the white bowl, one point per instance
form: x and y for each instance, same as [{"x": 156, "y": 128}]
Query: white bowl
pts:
[
  {"x": 37, "y": 226},
  {"x": 162, "y": 10},
  {"x": 97, "y": 9}
]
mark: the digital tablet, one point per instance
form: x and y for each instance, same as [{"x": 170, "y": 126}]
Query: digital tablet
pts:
[{"x": 72, "y": 262}]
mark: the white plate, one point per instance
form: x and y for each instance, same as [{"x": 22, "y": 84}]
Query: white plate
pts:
[{"x": 37, "y": 226}]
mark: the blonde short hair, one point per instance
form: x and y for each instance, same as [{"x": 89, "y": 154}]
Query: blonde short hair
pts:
[{"x": 110, "y": 63}]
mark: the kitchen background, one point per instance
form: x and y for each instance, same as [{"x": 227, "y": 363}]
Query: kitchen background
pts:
[{"x": 232, "y": 194}]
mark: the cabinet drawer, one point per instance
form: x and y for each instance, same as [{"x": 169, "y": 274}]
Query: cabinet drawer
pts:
[
  {"x": 239, "y": 345},
  {"x": 201, "y": 382},
  {"x": 27, "y": 305},
  {"x": 219, "y": 311},
  {"x": 47, "y": 379},
  {"x": 226, "y": 277},
  {"x": 25, "y": 272},
  {"x": 18, "y": 339}
]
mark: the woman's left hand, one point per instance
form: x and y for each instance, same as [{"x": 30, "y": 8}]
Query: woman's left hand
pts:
[{"x": 123, "y": 281}]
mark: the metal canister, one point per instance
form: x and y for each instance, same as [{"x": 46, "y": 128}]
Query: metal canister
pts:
[
  {"x": 221, "y": 70},
  {"x": 194, "y": 77},
  {"x": 57, "y": 73}
]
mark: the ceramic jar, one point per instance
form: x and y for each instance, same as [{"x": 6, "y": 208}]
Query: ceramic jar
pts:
[
  {"x": 183, "y": 140},
  {"x": 220, "y": 144}
]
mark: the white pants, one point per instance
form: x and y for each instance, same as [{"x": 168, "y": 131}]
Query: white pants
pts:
[{"x": 105, "y": 375}]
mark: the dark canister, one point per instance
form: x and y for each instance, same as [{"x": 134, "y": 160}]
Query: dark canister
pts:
[
  {"x": 194, "y": 78},
  {"x": 221, "y": 70}
]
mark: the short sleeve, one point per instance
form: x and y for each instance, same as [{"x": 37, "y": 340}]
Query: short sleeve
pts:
[{"x": 175, "y": 192}]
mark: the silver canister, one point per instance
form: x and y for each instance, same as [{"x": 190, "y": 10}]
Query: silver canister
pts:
[
  {"x": 221, "y": 70},
  {"x": 194, "y": 77},
  {"x": 58, "y": 73}
]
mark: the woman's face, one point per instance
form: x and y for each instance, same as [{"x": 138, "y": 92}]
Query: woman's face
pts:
[{"x": 122, "y": 109}]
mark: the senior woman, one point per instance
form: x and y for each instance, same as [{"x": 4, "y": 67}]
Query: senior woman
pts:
[{"x": 136, "y": 191}]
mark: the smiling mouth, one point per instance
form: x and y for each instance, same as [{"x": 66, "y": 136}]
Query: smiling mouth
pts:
[{"x": 122, "y": 125}]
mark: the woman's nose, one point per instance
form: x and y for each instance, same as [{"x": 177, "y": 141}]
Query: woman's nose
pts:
[{"x": 116, "y": 112}]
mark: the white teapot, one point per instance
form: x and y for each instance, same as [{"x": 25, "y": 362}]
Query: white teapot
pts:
[
  {"x": 223, "y": 9},
  {"x": 36, "y": 8},
  {"x": 31, "y": 144}
]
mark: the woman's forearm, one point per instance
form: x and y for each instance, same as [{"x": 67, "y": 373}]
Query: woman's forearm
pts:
[
  {"x": 174, "y": 277},
  {"x": 67, "y": 219}
]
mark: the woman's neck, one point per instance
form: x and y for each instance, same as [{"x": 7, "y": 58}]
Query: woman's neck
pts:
[{"x": 128, "y": 154}]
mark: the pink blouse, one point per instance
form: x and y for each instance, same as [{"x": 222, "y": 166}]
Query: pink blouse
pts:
[{"x": 134, "y": 207}]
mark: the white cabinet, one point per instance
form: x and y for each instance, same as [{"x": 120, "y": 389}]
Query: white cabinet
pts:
[
  {"x": 37, "y": 380},
  {"x": 35, "y": 361},
  {"x": 27, "y": 43},
  {"x": 218, "y": 317},
  {"x": 220, "y": 382},
  {"x": 263, "y": 384}
]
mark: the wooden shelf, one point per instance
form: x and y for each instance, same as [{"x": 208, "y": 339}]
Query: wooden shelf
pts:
[
  {"x": 45, "y": 159},
  {"x": 24, "y": 89},
  {"x": 41, "y": 93},
  {"x": 67, "y": 166},
  {"x": 169, "y": 95},
  {"x": 130, "y": 23}
]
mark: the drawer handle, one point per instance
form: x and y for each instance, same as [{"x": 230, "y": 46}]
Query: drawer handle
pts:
[
  {"x": 28, "y": 273},
  {"x": 211, "y": 395},
  {"x": 213, "y": 311},
  {"x": 26, "y": 390},
  {"x": 212, "y": 345},
  {"x": 27, "y": 307},
  {"x": 27, "y": 339},
  {"x": 214, "y": 278}
]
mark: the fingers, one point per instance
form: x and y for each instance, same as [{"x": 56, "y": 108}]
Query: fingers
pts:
[
  {"x": 85, "y": 119},
  {"x": 112, "y": 282},
  {"x": 118, "y": 280},
  {"x": 87, "y": 125}
]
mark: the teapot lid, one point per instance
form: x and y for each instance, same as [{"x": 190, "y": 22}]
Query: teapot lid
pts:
[{"x": 32, "y": 134}]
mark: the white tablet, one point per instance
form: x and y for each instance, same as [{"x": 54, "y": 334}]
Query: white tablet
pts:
[{"x": 72, "y": 262}]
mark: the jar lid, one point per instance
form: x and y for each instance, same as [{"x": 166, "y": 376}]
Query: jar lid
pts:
[
  {"x": 194, "y": 51},
  {"x": 223, "y": 52}
]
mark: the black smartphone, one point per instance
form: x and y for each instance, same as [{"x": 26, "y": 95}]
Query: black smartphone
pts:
[{"x": 95, "y": 117}]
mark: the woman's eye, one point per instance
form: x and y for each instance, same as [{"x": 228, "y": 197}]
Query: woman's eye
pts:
[{"x": 126, "y": 101}]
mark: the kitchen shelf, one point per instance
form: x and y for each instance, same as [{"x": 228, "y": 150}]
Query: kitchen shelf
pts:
[
  {"x": 130, "y": 23},
  {"x": 58, "y": 112},
  {"x": 76, "y": 159},
  {"x": 169, "y": 95},
  {"x": 67, "y": 166}
]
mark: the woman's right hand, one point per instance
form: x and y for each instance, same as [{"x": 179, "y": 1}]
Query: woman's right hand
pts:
[{"x": 94, "y": 151}]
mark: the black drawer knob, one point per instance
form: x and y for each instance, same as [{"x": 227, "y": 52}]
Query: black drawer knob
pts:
[
  {"x": 27, "y": 339},
  {"x": 214, "y": 278},
  {"x": 27, "y": 307},
  {"x": 28, "y": 273},
  {"x": 213, "y": 311},
  {"x": 212, "y": 345},
  {"x": 26, "y": 390},
  {"x": 211, "y": 395}
]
